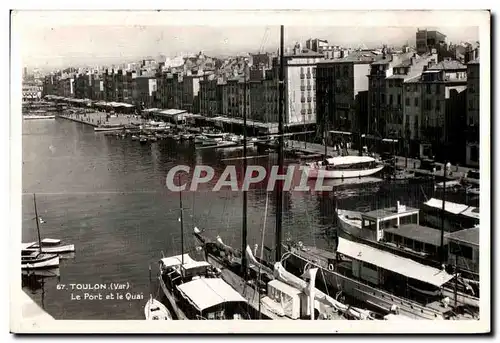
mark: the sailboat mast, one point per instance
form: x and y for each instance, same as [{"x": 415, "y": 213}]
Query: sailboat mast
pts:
[
  {"x": 244, "y": 229},
  {"x": 37, "y": 225},
  {"x": 325, "y": 122},
  {"x": 442, "y": 214},
  {"x": 182, "y": 224},
  {"x": 281, "y": 107}
]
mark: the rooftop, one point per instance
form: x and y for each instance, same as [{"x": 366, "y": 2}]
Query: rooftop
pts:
[
  {"x": 362, "y": 56},
  {"x": 467, "y": 235},
  {"x": 303, "y": 53},
  {"x": 448, "y": 65},
  {"x": 419, "y": 233}
]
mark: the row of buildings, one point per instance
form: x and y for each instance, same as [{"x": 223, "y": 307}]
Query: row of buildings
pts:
[{"x": 420, "y": 98}]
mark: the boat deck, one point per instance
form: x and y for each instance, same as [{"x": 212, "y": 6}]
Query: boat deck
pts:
[{"x": 389, "y": 213}]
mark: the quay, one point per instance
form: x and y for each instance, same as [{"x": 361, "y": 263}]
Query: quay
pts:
[
  {"x": 295, "y": 148},
  {"x": 97, "y": 118}
]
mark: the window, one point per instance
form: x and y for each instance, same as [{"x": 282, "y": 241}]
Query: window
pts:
[
  {"x": 438, "y": 105},
  {"x": 416, "y": 102},
  {"x": 428, "y": 88},
  {"x": 418, "y": 246},
  {"x": 399, "y": 99},
  {"x": 438, "y": 89},
  {"x": 390, "y": 99},
  {"x": 346, "y": 71},
  {"x": 407, "y": 102},
  {"x": 382, "y": 98},
  {"x": 471, "y": 104},
  {"x": 389, "y": 83}
]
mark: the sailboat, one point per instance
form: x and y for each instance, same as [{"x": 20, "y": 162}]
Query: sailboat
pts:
[
  {"x": 195, "y": 290},
  {"x": 36, "y": 259},
  {"x": 155, "y": 310}
]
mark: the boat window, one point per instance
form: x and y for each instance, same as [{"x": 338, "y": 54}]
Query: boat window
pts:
[
  {"x": 369, "y": 266},
  {"x": 388, "y": 237},
  {"x": 408, "y": 242},
  {"x": 397, "y": 239},
  {"x": 418, "y": 246}
]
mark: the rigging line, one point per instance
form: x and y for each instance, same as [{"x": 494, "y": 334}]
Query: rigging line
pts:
[{"x": 262, "y": 249}]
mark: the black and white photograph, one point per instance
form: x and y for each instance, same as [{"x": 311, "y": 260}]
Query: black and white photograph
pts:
[{"x": 320, "y": 167}]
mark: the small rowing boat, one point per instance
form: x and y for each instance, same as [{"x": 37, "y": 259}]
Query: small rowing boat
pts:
[{"x": 155, "y": 310}]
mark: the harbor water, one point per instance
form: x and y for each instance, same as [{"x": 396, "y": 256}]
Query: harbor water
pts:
[{"x": 107, "y": 196}]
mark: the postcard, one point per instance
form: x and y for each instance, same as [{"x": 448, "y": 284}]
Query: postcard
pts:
[{"x": 321, "y": 169}]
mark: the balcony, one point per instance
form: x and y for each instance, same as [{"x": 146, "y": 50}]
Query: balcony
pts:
[
  {"x": 308, "y": 75},
  {"x": 309, "y": 87},
  {"x": 302, "y": 76},
  {"x": 302, "y": 100},
  {"x": 302, "y": 88}
]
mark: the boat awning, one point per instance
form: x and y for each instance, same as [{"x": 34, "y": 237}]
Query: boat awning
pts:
[
  {"x": 394, "y": 263},
  {"x": 454, "y": 208},
  {"x": 176, "y": 260},
  {"x": 205, "y": 293}
]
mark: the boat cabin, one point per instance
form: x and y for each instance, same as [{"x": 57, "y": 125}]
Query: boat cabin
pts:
[
  {"x": 386, "y": 218},
  {"x": 401, "y": 276},
  {"x": 423, "y": 240},
  {"x": 286, "y": 301},
  {"x": 463, "y": 250}
]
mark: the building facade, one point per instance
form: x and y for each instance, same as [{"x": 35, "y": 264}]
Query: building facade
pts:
[
  {"x": 427, "y": 40},
  {"x": 300, "y": 83},
  {"x": 473, "y": 118}
]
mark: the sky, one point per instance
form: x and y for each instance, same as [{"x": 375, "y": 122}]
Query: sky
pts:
[{"x": 51, "y": 46}]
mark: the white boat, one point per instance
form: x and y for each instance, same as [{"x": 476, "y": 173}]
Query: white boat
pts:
[
  {"x": 49, "y": 245},
  {"x": 35, "y": 260},
  {"x": 155, "y": 310},
  {"x": 108, "y": 128},
  {"x": 343, "y": 167},
  {"x": 29, "y": 117}
]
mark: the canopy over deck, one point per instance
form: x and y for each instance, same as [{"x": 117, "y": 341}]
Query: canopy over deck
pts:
[
  {"x": 393, "y": 263},
  {"x": 454, "y": 208},
  {"x": 205, "y": 293},
  {"x": 470, "y": 236},
  {"x": 176, "y": 260}
]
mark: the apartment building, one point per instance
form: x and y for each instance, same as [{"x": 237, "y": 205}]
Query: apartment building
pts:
[
  {"x": 300, "y": 80},
  {"x": 473, "y": 118}
]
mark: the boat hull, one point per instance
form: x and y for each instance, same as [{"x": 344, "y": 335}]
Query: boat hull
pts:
[
  {"x": 365, "y": 293},
  {"x": 28, "y": 117},
  {"x": 314, "y": 173},
  {"x": 54, "y": 250},
  {"x": 155, "y": 310},
  {"x": 44, "y": 262},
  {"x": 104, "y": 129}
]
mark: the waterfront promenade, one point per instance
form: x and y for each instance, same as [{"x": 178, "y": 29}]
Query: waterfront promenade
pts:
[{"x": 98, "y": 118}]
